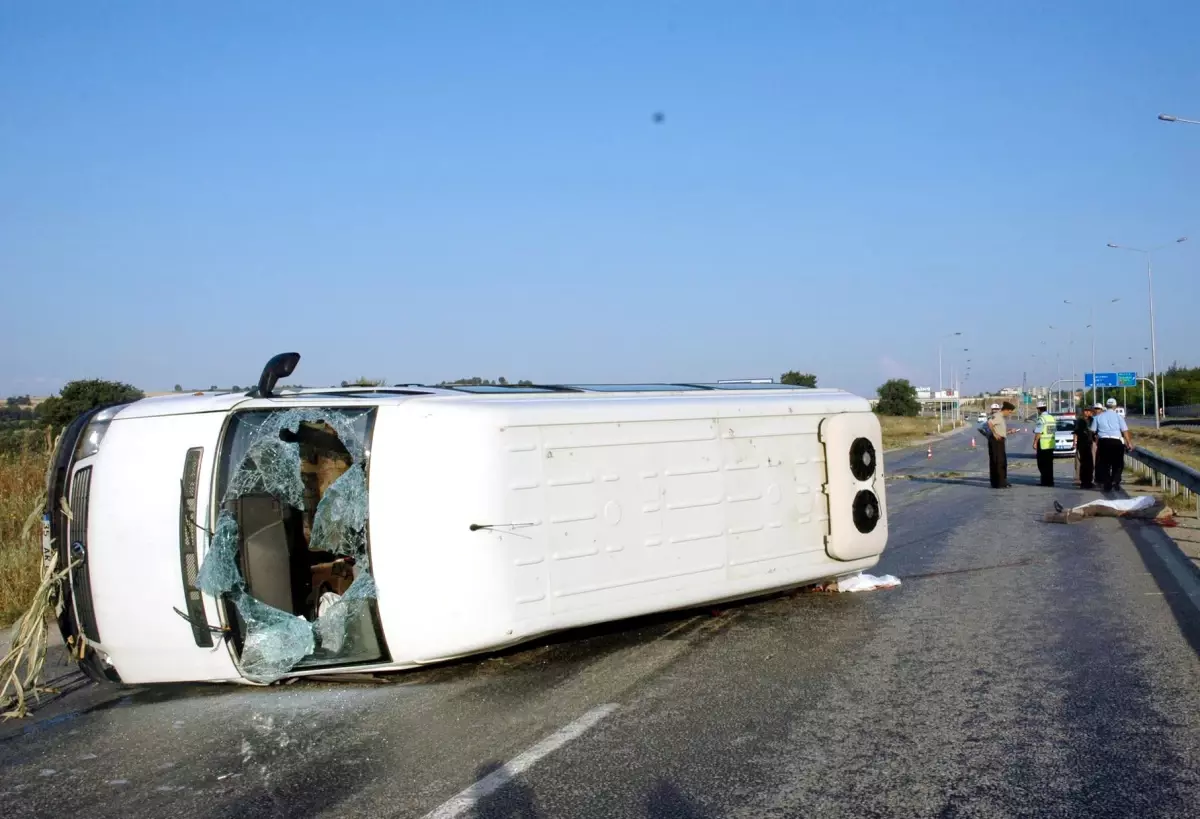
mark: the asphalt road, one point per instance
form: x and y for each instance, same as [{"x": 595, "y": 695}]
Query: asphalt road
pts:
[{"x": 1022, "y": 669}]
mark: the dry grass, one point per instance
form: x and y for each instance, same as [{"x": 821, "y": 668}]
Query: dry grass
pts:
[
  {"x": 1169, "y": 443},
  {"x": 1183, "y": 447},
  {"x": 22, "y": 486},
  {"x": 898, "y": 432}
]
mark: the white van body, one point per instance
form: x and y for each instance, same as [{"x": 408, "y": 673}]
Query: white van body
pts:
[{"x": 490, "y": 518}]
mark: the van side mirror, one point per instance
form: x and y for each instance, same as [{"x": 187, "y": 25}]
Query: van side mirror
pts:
[{"x": 280, "y": 366}]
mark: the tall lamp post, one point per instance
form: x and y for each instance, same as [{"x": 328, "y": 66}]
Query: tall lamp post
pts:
[
  {"x": 1056, "y": 402},
  {"x": 1173, "y": 118},
  {"x": 940, "y": 387},
  {"x": 1092, "y": 327},
  {"x": 1124, "y": 402},
  {"x": 1142, "y": 379},
  {"x": 957, "y": 389},
  {"x": 1153, "y": 339},
  {"x": 1070, "y": 360}
]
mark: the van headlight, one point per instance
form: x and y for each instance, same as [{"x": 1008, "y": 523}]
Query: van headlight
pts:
[{"x": 89, "y": 442}]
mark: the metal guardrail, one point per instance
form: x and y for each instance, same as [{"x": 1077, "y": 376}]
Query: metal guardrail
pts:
[
  {"x": 1171, "y": 476},
  {"x": 1182, "y": 424}
]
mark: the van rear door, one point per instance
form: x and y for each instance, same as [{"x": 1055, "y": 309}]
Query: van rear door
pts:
[{"x": 854, "y": 485}]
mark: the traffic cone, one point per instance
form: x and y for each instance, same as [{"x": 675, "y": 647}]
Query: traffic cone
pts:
[
  {"x": 929, "y": 452},
  {"x": 972, "y": 443}
]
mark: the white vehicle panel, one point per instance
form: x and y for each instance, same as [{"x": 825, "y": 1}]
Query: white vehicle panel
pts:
[
  {"x": 587, "y": 519},
  {"x": 496, "y": 518},
  {"x": 133, "y": 554}
]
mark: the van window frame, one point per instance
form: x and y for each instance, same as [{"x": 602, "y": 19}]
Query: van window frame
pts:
[{"x": 217, "y": 487}]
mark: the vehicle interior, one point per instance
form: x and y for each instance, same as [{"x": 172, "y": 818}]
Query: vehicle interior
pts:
[{"x": 281, "y": 564}]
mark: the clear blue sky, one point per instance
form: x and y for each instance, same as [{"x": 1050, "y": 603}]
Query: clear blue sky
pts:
[{"x": 421, "y": 191}]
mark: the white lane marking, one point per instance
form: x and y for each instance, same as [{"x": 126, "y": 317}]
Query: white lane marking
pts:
[{"x": 469, "y": 797}]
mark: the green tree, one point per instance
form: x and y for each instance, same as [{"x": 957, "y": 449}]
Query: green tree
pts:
[
  {"x": 178, "y": 388},
  {"x": 898, "y": 397},
  {"x": 363, "y": 381},
  {"x": 798, "y": 379},
  {"x": 78, "y": 397}
]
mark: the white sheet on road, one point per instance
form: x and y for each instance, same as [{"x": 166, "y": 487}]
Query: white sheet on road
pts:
[
  {"x": 866, "y": 582},
  {"x": 1123, "y": 505},
  {"x": 1143, "y": 507}
]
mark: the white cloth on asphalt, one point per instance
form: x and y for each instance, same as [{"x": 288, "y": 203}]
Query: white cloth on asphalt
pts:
[
  {"x": 866, "y": 582},
  {"x": 1143, "y": 507},
  {"x": 1123, "y": 505}
]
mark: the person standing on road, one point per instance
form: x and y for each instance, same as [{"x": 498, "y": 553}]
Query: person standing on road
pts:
[
  {"x": 1111, "y": 431},
  {"x": 997, "y": 455},
  {"x": 1085, "y": 465},
  {"x": 1043, "y": 443}
]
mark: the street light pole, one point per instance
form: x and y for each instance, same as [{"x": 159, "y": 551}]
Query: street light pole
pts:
[
  {"x": 1172, "y": 118},
  {"x": 1153, "y": 336},
  {"x": 1070, "y": 361},
  {"x": 1125, "y": 392},
  {"x": 1092, "y": 327},
  {"x": 1143, "y": 362},
  {"x": 941, "y": 398}
]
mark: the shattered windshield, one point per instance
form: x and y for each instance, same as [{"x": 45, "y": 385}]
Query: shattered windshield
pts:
[{"x": 289, "y": 552}]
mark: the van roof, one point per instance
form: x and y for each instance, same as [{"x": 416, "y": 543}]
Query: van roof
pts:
[{"x": 200, "y": 402}]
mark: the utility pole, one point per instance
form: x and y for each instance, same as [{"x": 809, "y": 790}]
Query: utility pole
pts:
[{"x": 1143, "y": 382}]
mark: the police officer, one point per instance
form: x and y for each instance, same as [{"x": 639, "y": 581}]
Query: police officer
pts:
[
  {"x": 1043, "y": 443},
  {"x": 1111, "y": 433},
  {"x": 1084, "y": 442}
]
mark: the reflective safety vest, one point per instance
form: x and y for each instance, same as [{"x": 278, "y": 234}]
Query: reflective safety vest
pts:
[{"x": 1046, "y": 441}]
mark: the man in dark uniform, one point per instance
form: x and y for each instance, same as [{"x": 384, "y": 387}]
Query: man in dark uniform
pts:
[{"x": 1085, "y": 466}]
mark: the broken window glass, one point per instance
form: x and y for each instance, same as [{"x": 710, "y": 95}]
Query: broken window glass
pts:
[
  {"x": 275, "y": 640},
  {"x": 219, "y": 572},
  {"x": 296, "y": 481},
  {"x": 340, "y": 521},
  {"x": 336, "y": 628}
]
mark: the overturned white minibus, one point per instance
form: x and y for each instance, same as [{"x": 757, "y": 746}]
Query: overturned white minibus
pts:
[{"x": 253, "y": 536}]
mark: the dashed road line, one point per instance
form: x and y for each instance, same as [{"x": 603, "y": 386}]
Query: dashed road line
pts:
[{"x": 466, "y": 799}]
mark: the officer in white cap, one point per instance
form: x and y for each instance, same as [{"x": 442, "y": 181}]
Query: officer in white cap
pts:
[
  {"x": 1112, "y": 437},
  {"x": 996, "y": 430},
  {"x": 1043, "y": 443}
]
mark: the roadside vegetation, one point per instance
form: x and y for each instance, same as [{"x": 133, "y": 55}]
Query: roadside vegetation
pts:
[
  {"x": 22, "y": 486},
  {"x": 905, "y": 431},
  {"x": 899, "y": 415},
  {"x": 1169, "y": 443}
]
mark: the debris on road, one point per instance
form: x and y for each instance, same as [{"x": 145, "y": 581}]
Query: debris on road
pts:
[
  {"x": 1144, "y": 507},
  {"x": 860, "y": 581}
]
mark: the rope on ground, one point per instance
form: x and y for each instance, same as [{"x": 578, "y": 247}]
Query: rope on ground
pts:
[{"x": 21, "y": 669}]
